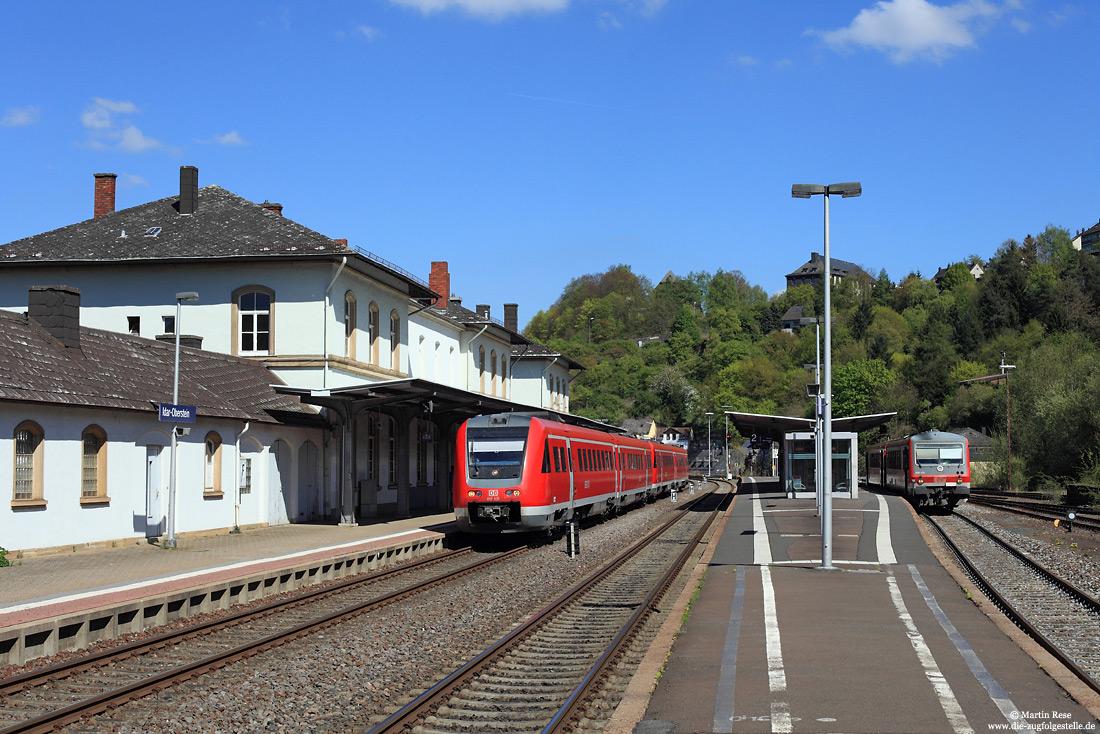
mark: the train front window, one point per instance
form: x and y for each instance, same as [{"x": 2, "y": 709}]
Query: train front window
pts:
[
  {"x": 936, "y": 454},
  {"x": 496, "y": 453}
]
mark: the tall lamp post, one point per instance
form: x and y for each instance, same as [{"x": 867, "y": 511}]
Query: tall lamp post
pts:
[
  {"x": 726, "y": 409},
  {"x": 1008, "y": 416},
  {"x": 709, "y": 444},
  {"x": 805, "y": 191},
  {"x": 170, "y": 540}
]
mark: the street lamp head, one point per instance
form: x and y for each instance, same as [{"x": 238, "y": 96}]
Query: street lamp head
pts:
[
  {"x": 846, "y": 190},
  {"x": 805, "y": 191},
  {"x": 187, "y": 296}
]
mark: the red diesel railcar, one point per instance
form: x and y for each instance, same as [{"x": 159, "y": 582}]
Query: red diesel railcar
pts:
[
  {"x": 521, "y": 472},
  {"x": 930, "y": 469}
]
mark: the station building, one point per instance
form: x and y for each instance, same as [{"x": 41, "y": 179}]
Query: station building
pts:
[{"x": 382, "y": 365}]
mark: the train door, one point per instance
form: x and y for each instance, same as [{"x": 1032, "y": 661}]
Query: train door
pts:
[{"x": 154, "y": 518}]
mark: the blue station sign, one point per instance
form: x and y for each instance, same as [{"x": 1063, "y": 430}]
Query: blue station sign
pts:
[{"x": 177, "y": 413}]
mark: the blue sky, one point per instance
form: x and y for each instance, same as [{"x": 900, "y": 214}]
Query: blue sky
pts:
[{"x": 528, "y": 142}]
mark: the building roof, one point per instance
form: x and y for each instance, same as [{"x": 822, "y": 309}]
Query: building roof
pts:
[
  {"x": 637, "y": 426},
  {"x": 534, "y": 350},
  {"x": 815, "y": 266},
  {"x": 224, "y": 227},
  {"x": 456, "y": 312},
  {"x": 119, "y": 371}
]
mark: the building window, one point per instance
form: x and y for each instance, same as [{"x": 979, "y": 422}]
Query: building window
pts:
[
  {"x": 395, "y": 341},
  {"x": 493, "y": 374},
  {"x": 373, "y": 425},
  {"x": 481, "y": 369},
  {"x": 423, "y": 440},
  {"x": 212, "y": 464},
  {"x": 254, "y": 311},
  {"x": 504, "y": 377},
  {"x": 246, "y": 475},
  {"x": 93, "y": 468},
  {"x": 349, "y": 325},
  {"x": 391, "y": 440},
  {"x": 133, "y": 325},
  {"x": 169, "y": 324},
  {"x": 373, "y": 333},
  {"x": 28, "y": 462}
]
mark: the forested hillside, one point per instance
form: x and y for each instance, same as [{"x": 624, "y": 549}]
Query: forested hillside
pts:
[{"x": 702, "y": 341}]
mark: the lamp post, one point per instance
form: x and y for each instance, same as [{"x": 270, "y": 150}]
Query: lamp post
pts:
[
  {"x": 1008, "y": 416},
  {"x": 709, "y": 444},
  {"x": 170, "y": 540},
  {"x": 726, "y": 409},
  {"x": 805, "y": 191}
]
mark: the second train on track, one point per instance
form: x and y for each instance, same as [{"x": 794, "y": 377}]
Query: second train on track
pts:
[
  {"x": 526, "y": 472},
  {"x": 931, "y": 469}
]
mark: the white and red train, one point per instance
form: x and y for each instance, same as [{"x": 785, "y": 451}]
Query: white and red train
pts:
[
  {"x": 524, "y": 472},
  {"x": 930, "y": 469}
]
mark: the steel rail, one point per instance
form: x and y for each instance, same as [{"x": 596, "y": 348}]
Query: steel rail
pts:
[
  {"x": 19, "y": 682},
  {"x": 98, "y": 704},
  {"x": 1017, "y": 617},
  {"x": 1038, "y": 511},
  {"x": 570, "y": 711},
  {"x": 428, "y": 701}
]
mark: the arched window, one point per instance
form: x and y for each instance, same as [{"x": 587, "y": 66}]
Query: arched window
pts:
[
  {"x": 349, "y": 325},
  {"x": 504, "y": 376},
  {"x": 93, "y": 466},
  {"x": 253, "y": 310},
  {"x": 493, "y": 374},
  {"x": 373, "y": 333},
  {"x": 28, "y": 464},
  {"x": 395, "y": 341},
  {"x": 212, "y": 464},
  {"x": 373, "y": 424},
  {"x": 481, "y": 369},
  {"x": 425, "y": 439},
  {"x": 391, "y": 451}
]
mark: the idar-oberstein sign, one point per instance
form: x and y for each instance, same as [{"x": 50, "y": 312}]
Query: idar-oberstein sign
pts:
[{"x": 177, "y": 413}]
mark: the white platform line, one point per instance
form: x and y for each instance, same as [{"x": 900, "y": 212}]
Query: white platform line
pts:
[
  {"x": 761, "y": 548},
  {"x": 777, "y": 676},
  {"x": 946, "y": 696},
  {"x": 883, "y": 541}
]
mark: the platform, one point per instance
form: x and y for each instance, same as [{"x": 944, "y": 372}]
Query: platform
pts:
[
  {"x": 889, "y": 641},
  {"x": 65, "y": 601}
]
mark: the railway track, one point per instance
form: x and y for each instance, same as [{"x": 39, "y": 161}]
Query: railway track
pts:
[
  {"x": 1057, "y": 614},
  {"x": 1085, "y": 518},
  {"x": 547, "y": 674},
  {"x": 45, "y": 699}
]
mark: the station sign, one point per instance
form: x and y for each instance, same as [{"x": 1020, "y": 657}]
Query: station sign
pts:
[{"x": 177, "y": 413}]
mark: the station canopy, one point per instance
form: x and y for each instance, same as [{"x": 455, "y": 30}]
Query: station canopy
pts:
[{"x": 778, "y": 425}]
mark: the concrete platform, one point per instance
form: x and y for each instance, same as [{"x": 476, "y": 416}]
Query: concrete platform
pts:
[
  {"x": 59, "y": 602},
  {"x": 890, "y": 641}
]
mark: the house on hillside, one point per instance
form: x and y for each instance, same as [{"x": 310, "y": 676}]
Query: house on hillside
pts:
[
  {"x": 813, "y": 271},
  {"x": 91, "y": 459},
  {"x": 392, "y": 362},
  {"x": 641, "y": 428},
  {"x": 1088, "y": 240},
  {"x": 681, "y": 436},
  {"x": 976, "y": 270}
]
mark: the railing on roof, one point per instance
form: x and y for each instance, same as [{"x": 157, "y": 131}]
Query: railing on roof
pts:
[{"x": 388, "y": 265}]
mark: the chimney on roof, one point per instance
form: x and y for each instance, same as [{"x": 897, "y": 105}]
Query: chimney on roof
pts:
[
  {"x": 342, "y": 242},
  {"x": 274, "y": 208},
  {"x": 455, "y": 301},
  {"x": 440, "y": 282},
  {"x": 57, "y": 309},
  {"x": 483, "y": 311},
  {"x": 104, "y": 194},
  {"x": 189, "y": 189},
  {"x": 511, "y": 317}
]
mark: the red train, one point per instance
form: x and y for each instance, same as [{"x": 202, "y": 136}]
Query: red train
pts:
[
  {"x": 930, "y": 468},
  {"x": 521, "y": 472}
]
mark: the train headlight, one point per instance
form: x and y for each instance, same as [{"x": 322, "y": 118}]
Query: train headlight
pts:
[
  {"x": 511, "y": 493},
  {"x": 473, "y": 493}
]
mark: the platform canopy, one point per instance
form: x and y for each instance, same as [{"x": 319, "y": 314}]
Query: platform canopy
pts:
[{"x": 777, "y": 425}]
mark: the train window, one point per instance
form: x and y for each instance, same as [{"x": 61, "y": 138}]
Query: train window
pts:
[
  {"x": 546, "y": 456},
  {"x": 496, "y": 452},
  {"x": 557, "y": 459},
  {"x": 932, "y": 454}
]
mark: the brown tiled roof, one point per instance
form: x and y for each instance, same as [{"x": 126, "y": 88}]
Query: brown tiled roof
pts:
[{"x": 120, "y": 371}]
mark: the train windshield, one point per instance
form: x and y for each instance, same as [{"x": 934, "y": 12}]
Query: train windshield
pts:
[
  {"x": 933, "y": 454},
  {"x": 495, "y": 453}
]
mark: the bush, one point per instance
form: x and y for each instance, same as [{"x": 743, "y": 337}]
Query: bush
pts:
[{"x": 4, "y": 558}]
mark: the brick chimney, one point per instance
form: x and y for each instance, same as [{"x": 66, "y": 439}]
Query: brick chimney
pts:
[
  {"x": 440, "y": 282},
  {"x": 483, "y": 311},
  {"x": 57, "y": 309},
  {"x": 511, "y": 317},
  {"x": 189, "y": 189},
  {"x": 104, "y": 194},
  {"x": 343, "y": 242},
  {"x": 274, "y": 208}
]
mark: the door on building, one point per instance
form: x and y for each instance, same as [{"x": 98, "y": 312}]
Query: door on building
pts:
[
  {"x": 308, "y": 490},
  {"x": 154, "y": 517}
]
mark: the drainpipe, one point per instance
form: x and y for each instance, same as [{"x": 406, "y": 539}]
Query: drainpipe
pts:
[
  {"x": 469, "y": 348},
  {"x": 237, "y": 482},
  {"x": 343, "y": 262}
]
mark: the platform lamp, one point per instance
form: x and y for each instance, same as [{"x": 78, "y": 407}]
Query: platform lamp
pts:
[
  {"x": 805, "y": 191},
  {"x": 726, "y": 410},
  {"x": 709, "y": 444},
  {"x": 170, "y": 540}
]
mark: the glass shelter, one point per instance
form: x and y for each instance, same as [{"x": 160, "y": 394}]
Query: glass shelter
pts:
[{"x": 800, "y": 465}]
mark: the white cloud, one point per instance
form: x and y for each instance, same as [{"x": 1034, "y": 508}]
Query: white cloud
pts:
[
  {"x": 367, "y": 32},
  {"x": 910, "y": 29},
  {"x": 230, "y": 138},
  {"x": 744, "y": 60},
  {"x": 130, "y": 181},
  {"x": 133, "y": 140},
  {"x": 608, "y": 22},
  {"x": 106, "y": 132},
  {"x": 20, "y": 116},
  {"x": 485, "y": 8}
]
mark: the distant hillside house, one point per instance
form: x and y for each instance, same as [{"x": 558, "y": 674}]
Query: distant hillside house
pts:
[
  {"x": 976, "y": 270},
  {"x": 677, "y": 436},
  {"x": 1088, "y": 240},
  {"x": 792, "y": 318},
  {"x": 641, "y": 428},
  {"x": 814, "y": 270}
]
